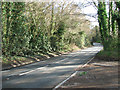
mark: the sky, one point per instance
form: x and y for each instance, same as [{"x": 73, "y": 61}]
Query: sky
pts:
[{"x": 89, "y": 10}]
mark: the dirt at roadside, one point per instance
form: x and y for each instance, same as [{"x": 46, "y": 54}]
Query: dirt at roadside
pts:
[
  {"x": 97, "y": 74},
  {"x": 21, "y": 61}
]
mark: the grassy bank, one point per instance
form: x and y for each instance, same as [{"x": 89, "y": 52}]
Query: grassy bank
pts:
[{"x": 108, "y": 55}]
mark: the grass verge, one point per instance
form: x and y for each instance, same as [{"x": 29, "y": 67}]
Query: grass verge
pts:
[{"x": 108, "y": 55}]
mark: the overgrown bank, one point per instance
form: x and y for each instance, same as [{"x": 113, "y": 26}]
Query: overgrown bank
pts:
[
  {"x": 38, "y": 29},
  {"x": 108, "y": 55},
  {"x": 109, "y": 28},
  {"x": 109, "y": 25}
]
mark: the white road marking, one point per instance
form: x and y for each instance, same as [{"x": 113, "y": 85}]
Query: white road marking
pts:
[
  {"x": 65, "y": 80},
  {"x": 71, "y": 76},
  {"x": 27, "y": 72},
  {"x": 40, "y": 68},
  {"x": 32, "y": 70},
  {"x": 82, "y": 51},
  {"x": 60, "y": 61},
  {"x": 52, "y": 63}
]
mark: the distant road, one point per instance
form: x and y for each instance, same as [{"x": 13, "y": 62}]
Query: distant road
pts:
[{"x": 48, "y": 73}]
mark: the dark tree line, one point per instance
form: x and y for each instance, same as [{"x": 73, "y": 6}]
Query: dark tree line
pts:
[{"x": 109, "y": 25}]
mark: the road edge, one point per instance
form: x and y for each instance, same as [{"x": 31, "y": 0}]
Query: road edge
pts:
[{"x": 73, "y": 74}]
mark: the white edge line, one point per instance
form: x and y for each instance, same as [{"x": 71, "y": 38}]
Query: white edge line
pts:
[
  {"x": 65, "y": 80},
  {"x": 71, "y": 75},
  {"x": 88, "y": 62}
]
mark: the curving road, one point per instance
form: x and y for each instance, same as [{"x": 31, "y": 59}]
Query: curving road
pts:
[{"x": 48, "y": 73}]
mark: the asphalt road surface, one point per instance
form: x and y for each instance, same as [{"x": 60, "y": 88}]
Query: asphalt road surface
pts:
[{"x": 48, "y": 73}]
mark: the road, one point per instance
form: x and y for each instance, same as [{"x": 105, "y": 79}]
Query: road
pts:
[{"x": 48, "y": 73}]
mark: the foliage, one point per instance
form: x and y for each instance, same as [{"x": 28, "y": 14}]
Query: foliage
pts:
[
  {"x": 96, "y": 35},
  {"x": 109, "y": 55},
  {"x": 39, "y": 28},
  {"x": 13, "y": 29},
  {"x": 109, "y": 31}
]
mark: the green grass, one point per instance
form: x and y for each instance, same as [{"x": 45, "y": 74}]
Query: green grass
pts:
[{"x": 109, "y": 54}]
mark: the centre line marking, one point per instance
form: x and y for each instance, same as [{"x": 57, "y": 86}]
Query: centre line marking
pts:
[{"x": 32, "y": 70}]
